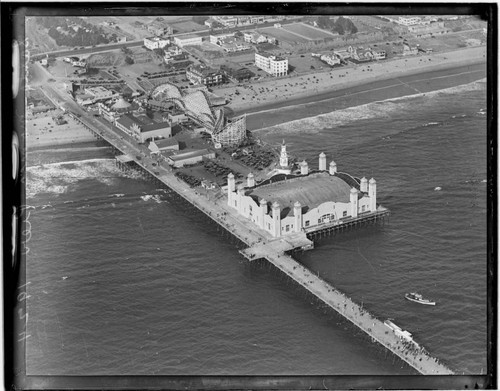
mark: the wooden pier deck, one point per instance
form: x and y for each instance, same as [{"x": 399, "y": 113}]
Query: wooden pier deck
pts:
[{"x": 261, "y": 245}]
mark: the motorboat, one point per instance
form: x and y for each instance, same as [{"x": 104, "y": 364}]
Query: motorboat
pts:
[{"x": 417, "y": 298}]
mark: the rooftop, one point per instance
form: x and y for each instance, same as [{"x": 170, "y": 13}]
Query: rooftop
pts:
[
  {"x": 154, "y": 126},
  {"x": 311, "y": 191},
  {"x": 190, "y": 154},
  {"x": 190, "y": 36},
  {"x": 271, "y": 56},
  {"x": 166, "y": 142}
]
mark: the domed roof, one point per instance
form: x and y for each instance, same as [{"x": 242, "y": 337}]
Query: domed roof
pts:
[
  {"x": 310, "y": 191},
  {"x": 121, "y": 104}
]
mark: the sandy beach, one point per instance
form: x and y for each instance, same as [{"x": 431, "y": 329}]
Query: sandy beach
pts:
[
  {"x": 42, "y": 132},
  {"x": 271, "y": 91}
]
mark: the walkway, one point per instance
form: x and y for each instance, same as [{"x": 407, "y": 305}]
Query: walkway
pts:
[{"x": 261, "y": 245}]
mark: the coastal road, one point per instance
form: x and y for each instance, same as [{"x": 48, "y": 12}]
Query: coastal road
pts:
[
  {"x": 277, "y": 113},
  {"x": 101, "y": 48}
]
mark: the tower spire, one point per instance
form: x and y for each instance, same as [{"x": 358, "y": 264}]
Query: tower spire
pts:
[{"x": 283, "y": 156}]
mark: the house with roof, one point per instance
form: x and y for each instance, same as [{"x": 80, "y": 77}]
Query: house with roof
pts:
[
  {"x": 190, "y": 157},
  {"x": 152, "y": 43},
  {"x": 157, "y": 147},
  {"x": 188, "y": 40},
  {"x": 200, "y": 74},
  {"x": 254, "y": 37},
  {"x": 235, "y": 73},
  {"x": 142, "y": 128},
  {"x": 159, "y": 28}
]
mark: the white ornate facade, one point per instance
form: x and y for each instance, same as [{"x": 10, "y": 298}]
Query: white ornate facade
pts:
[{"x": 307, "y": 201}]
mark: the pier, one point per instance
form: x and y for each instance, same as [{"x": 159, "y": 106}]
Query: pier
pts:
[{"x": 260, "y": 245}]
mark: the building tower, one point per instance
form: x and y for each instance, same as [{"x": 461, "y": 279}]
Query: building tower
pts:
[
  {"x": 240, "y": 192},
  {"x": 304, "y": 168},
  {"x": 250, "y": 180},
  {"x": 276, "y": 219},
  {"x": 363, "y": 186},
  {"x": 333, "y": 168},
  {"x": 297, "y": 213},
  {"x": 372, "y": 193},
  {"x": 262, "y": 214},
  {"x": 283, "y": 156},
  {"x": 230, "y": 189},
  {"x": 354, "y": 202},
  {"x": 322, "y": 161}
]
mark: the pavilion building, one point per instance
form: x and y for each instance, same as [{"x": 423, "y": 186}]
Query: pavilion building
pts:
[{"x": 302, "y": 202}]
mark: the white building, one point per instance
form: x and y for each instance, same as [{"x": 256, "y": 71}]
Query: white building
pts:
[
  {"x": 254, "y": 37},
  {"x": 152, "y": 43},
  {"x": 217, "y": 39},
  {"x": 305, "y": 202},
  {"x": 188, "y": 40},
  {"x": 79, "y": 63},
  {"x": 274, "y": 65},
  {"x": 100, "y": 93},
  {"x": 408, "y": 20},
  {"x": 226, "y": 20}
]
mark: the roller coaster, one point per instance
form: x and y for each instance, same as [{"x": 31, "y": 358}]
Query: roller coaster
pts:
[{"x": 196, "y": 106}]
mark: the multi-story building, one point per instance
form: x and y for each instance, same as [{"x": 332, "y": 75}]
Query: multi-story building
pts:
[
  {"x": 100, "y": 93},
  {"x": 143, "y": 129},
  {"x": 188, "y": 40},
  {"x": 408, "y": 20},
  {"x": 433, "y": 28},
  {"x": 235, "y": 73},
  {"x": 217, "y": 39},
  {"x": 152, "y": 43},
  {"x": 274, "y": 65},
  {"x": 231, "y": 45},
  {"x": 158, "y": 28},
  {"x": 226, "y": 20},
  {"x": 199, "y": 74},
  {"x": 254, "y": 37}
]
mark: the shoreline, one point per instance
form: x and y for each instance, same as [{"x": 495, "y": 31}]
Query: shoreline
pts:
[
  {"x": 377, "y": 91},
  {"x": 279, "y": 93}
]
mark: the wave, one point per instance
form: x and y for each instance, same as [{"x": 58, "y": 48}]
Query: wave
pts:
[
  {"x": 378, "y": 109},
  {"x": 156, "y": 198},
  {"x": 56, "y": 178}
]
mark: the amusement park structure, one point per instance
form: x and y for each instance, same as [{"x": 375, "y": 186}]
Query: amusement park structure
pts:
[{"x": 196, "y": 106}]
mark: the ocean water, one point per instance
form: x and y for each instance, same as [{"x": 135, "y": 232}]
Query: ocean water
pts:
[{"x": 126, "y": 278}]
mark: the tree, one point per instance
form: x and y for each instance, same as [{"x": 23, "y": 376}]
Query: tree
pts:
[
  {"x": 200, "y": 19},
  {"x": 325, "y": 22},
  {"x": 129, "y": 60},
  {"x": 344, "y": 26}
]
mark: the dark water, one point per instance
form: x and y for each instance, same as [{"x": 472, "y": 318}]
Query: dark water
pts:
[{"x": 152, "y": 287}]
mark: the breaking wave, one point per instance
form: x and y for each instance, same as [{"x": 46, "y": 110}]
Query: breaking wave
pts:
[
  {"x": 56, "y": 178},
  {"x": 148, "y": 197},
  {"x": 372, "y": 110}
]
